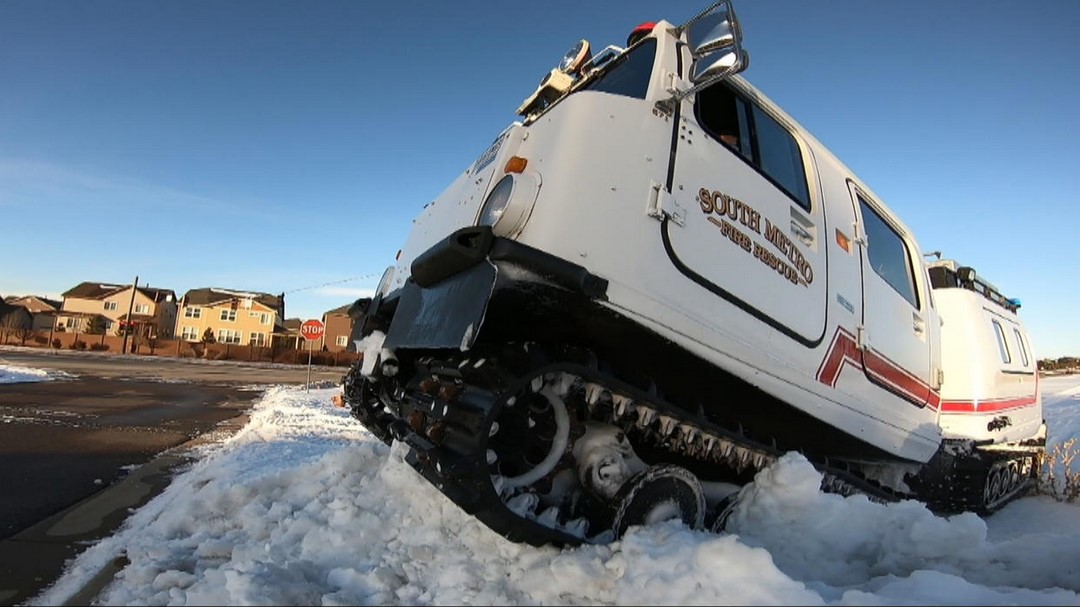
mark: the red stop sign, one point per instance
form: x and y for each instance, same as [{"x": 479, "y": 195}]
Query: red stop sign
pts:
[{"x": 312, "y": 329}]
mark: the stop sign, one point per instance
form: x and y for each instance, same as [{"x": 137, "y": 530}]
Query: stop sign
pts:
[{"x": 312, "y": 329}]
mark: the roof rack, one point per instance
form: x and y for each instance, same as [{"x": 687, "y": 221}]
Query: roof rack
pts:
[{"x": 948, "y": 274}]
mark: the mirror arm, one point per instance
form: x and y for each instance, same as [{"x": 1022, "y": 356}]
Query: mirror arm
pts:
[{"x": 667, "y": 106}]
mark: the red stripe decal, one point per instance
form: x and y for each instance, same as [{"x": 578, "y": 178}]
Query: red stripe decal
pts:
[
  {"x": 986, "y": 406},
  {"x": 844, "y": 351}
]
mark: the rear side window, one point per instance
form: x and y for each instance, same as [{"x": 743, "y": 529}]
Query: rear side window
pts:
[
  {"x": 887, "y": 254},
  {"x": 757, "y": 137},
  {"x": 629, "y": 75},
  {"x": 1020, "y": 345},
  {"x": 1003, "y": 347}
]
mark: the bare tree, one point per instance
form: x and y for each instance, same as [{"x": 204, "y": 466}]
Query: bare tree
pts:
[
  {"x": 24, "y": 333},
  {"x": 14, "y": 321}
]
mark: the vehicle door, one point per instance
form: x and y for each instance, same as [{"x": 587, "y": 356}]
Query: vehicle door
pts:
[
  {"x": 750, "y": 231},
  {"x": 894, "y": 338}
]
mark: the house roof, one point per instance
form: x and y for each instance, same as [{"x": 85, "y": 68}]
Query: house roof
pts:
[
  {"x": 34, "y": 303},
  {"x": 293, "y": 324},
  {"x": 212, "y": 295},
  {"x": 5, "y": 307},
  {"x": 338, "y": 311},
  {"x": 100, "y": 290}
]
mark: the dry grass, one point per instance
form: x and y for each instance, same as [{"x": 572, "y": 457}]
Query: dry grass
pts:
[{"x": 1059, "y": 478}]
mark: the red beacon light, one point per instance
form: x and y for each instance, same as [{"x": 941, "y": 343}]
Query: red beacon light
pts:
[{"x": 640, "y": 32}]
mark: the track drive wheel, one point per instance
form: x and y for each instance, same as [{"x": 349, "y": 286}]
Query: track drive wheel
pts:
[{"x": 659, "y": 493}]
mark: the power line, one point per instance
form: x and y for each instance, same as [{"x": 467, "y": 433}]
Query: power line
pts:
[{"x": 333, "y": 282}]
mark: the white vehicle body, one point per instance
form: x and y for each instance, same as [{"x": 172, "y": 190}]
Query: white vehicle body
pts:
[
  {"x": 991, "y": 386},
  {"x": 684, "y": 227}
]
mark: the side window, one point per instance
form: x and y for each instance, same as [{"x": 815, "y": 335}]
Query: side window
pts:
[
  {"x": 1003, "y": 347},
  {"x": 749, "y": 131},
  {"x": 1021, "y": 346},
  {"x": 888, "y": 255}
]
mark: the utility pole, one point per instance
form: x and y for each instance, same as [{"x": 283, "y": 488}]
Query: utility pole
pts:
[{"x": 131, "y": 306}]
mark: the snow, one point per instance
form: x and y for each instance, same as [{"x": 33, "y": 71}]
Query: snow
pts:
[
  {"x": 304, "y": 507},
  {"x": 13, "y": 374}
]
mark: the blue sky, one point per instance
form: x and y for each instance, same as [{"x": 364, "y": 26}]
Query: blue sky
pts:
[{"x": 286, "y": 146}]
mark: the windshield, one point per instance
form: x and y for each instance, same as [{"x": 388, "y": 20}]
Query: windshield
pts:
[{"x": 629, "y": 74}]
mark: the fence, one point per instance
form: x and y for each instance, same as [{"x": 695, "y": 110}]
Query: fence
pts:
[{"x": 112, "y": 344}]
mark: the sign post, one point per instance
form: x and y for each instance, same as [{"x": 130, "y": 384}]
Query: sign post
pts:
[{"x": 312, "y": 330}]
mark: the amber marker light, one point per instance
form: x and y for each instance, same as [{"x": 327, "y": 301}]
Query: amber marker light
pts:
[
  {"x": 843, "y": 241},
  {"x": 516, "y": 164}
]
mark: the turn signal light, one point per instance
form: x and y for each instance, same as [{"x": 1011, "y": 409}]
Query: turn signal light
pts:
[{"x": 516, "y": 164}]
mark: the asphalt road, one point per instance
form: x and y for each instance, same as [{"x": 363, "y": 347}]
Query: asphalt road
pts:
[{"x": 74, "y": 452}]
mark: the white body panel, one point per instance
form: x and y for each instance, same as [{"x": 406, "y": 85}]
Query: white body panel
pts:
[{"x": 980, "y": 386}]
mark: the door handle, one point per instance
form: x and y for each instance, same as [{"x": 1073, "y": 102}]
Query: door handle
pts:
[{"x": 917, "y": 323}]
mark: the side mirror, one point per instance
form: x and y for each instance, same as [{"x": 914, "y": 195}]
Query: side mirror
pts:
[
  {"x": 715, "y": 40},
  {"x": 714, "y": 29},
  {"x": 717, "y": 66}
]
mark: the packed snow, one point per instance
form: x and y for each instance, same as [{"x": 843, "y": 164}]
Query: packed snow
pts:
[
  {"x": 304, "y": 507},
  {"x": 14, "y": 374}
]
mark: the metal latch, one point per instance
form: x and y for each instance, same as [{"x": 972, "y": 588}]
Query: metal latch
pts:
[
  {"x": 861, "y": 340},
  {"x": 661, "y": 204}
]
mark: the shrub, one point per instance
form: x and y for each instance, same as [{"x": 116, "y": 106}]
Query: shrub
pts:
[
  {"x": 78, "y": 344},
  {"x": 99, "y": 347},
  {"x": 1058, "y": 477},
  {"x": 41, "y": 340},
  {"x": 56, "y": 343}
]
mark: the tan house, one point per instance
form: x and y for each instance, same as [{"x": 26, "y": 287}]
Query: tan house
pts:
[
  {"x": 338, "y": 326},
  {"x": 42, "y": 310},
  {"x": 232, "y": 317},
  {"x": 150, "y": 311}
]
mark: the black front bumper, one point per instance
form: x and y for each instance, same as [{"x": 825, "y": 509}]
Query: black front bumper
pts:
[{"x": 445, "y": 302}]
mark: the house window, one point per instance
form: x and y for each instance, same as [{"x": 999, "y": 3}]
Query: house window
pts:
[
  {"x": 110, "y": 306},
  {"x": 257, "y": 339},
  {"x": 342, "y": 340},
  {"x": 108, "y": 326},
  {"x": 228, "y": 315},
  {"x": 192, "y": 312},
  {"x": 1023, "y": 348},
  {"x": 228, "y": 336},
  {"x": 189, "y": 334},
  {"x": 142, "y": 309},
  {"x": 263, "y": 317},
  {"x": 1003, "y": 348}
]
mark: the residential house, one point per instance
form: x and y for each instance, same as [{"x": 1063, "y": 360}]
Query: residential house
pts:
[
  {"x": 290, "y": 336},
  {"x": 42, "y": 310},
  {"x": 232, "y": 317},
  {"x": 149, "y": 311},
  {"x": 14, "y": 320},
  {"x": 339, "y": 326}
]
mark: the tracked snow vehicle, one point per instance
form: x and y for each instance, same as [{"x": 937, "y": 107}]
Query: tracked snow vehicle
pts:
[{"x": 655, "y": 284}]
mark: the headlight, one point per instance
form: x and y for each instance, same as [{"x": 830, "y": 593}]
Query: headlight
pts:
[
  {"x": 510, "y": 203},
  {"x": 384, "y": 282}
]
